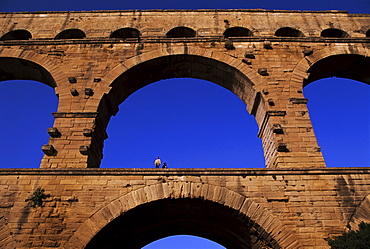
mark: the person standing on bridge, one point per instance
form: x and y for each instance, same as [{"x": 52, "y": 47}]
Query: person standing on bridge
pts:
[{"x": 157, "y": 162}]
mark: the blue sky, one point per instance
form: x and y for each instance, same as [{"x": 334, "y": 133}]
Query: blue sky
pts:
[{"x": 187, "y": 122}]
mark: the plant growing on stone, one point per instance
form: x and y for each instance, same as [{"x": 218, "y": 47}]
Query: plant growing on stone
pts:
[{"x": 353, "y": 239}]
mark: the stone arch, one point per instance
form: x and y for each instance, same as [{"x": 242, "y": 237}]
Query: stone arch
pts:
[
  {"x": 241, "y": 72},
  {"x": 175, "y": 62},
  {"x": 28, "y": 65},
  {"x": 237, "y": 32},
  {"x": 19, "y": 34},
  {"x": 361, "y": 214},
  {"x": 260, "y": 219},
  {"x": 288, "y": 32},
  {"x": 349, "y": 66},
  {"x": 6, "y": 237},
  {"x": 301, "y": 75},
  {"x": 71, "y": 34},
  {"x": 125, "y": 33},
  {"x": 334, "y": 33},
  {"x": 181, "y": 32}
]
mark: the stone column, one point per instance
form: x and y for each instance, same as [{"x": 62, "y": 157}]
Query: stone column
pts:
[
  {"x": 70, "y": 141},
  {"x": 287, "y": 135}
]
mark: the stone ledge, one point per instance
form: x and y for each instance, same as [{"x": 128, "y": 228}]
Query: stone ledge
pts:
[
  {"x": 159, "y": 39},
  {"x": 189, "y": 171},
  {"x": 184, "y": 10}
]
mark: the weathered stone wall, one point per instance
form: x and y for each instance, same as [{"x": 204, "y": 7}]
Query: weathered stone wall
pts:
[
  {"x": 298, "y": 209},
  {"x": 92, "y": 75},
  {"x": 293, "y": 204}
]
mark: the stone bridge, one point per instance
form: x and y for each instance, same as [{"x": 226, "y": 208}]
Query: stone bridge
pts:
[{"x": 95, "y": 60}]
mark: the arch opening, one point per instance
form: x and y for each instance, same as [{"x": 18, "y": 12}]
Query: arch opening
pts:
[
  {"x": 167, "y": 217},
  {"x": 19, "y": 34},
  {"x": 368, "y": 33},
  {"x": 288, "y": 32},
  {"x": 125, "y": 33},
  {"x": 19, "y": 69},
  {"x": 349, "y": 66},
  {"x": 25, "y": 108},
  {"x": 71, "y": 34},
  {"x": 339, "y": 111},
  {"x": 237, "y": 32},
  {"x": 189, "y": 123},
  {"x": 334, "y": 33},
  {"x": 183, "y": 242},
  {"x": 181, "y": 32},
  {"x": 172, "y": 67},
  {"x": 338, "y": 105}
]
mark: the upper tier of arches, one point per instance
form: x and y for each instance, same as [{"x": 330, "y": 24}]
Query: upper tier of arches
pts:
[{"x": 179, "y": 32}]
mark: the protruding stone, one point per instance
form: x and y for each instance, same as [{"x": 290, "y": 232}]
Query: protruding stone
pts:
[
  {"x": 263, "y": 71},
  {"x": 53, "y": 132},
  {"x": 246, "y": 61},
  {"x": 229, "y": 44},
  {"x": 72, "y": 80},
  {"x": 298, "y": 100},
  {"x": 307, "y": 52},
  {"x": 271, "y": 102},
  {"x": 87, "y": 132},
  {"x": 89, "y": 92},
  {"x": 282, "y": 147},
  {"x": 267, "y": 45},
  {"x": 277, "y": 129},
  {"x": 74, "y": 92},
  {"x": 84, "y": 150},
  {"x": 48, "y": 149}
]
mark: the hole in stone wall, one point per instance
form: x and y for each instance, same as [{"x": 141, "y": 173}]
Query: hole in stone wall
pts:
[
  {"x": 237, "y": 32},
  {"x": 180, "y": 32},
  {"x": 334, "y": 33},
  {"x": 189, "y": 123},
  {"x": 26, "y": 114},
  {"x": 71, "y": 34},
  {"x": 125, "y": 33},
  {"x": 288, "y": 32},
  {"x": 19, "y": 34},
  {"x": 339, "y": 110}
]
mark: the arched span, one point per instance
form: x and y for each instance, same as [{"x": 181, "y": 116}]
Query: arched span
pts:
[
  {"x": 19, "y": 34},
  {"x": 71, "y": 34},
  {"x": 180, "y": 32},
  {"x": 6, "y": 236},
  {"x": 163, "y": 209},
  {"x": 28, "y": 65},
  {"x": 173, "y": 62},
  {"x": 20, "y": 69},
  {"x": 178, "y": 62},
  {"x": 125, "y": 33},
  {"x": 349, "y": 66},
  {"x": 334, "y": 33},
  {"x": 237, "y": 32},
  {"x": 328, "y": 63},
  {"x": 288, "y": 32},
  {"x": 361, "y": 214}
]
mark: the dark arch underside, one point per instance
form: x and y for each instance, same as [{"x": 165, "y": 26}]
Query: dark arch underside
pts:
[
  {"x": 19, "y": 34},
  {"x": 19, "y": 69},
  {"x": 349, "y": 66},
  {"x": 181, "y": 32},
  {"x": 178, "y": 66},
  {"x": 155, "y": 220}
]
